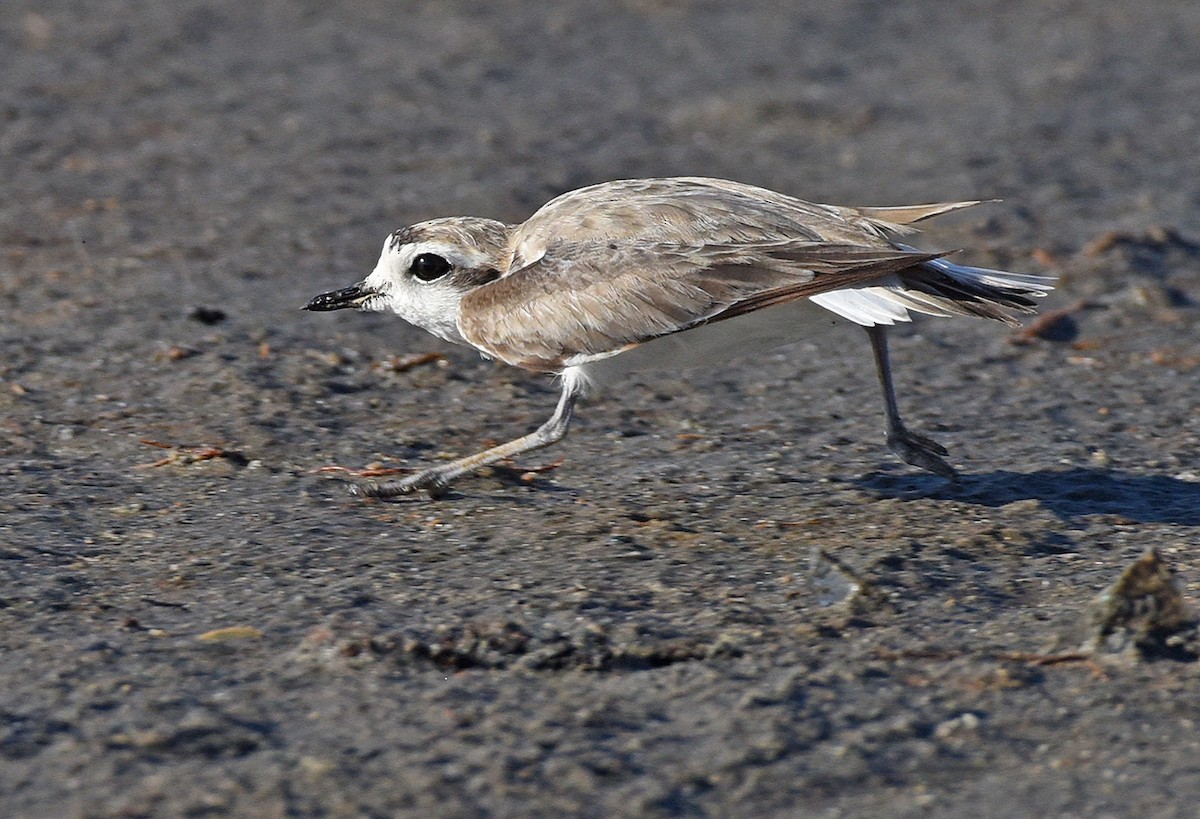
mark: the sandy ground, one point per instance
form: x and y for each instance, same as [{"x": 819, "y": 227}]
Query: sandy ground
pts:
[{"x": 729, "y": 599}]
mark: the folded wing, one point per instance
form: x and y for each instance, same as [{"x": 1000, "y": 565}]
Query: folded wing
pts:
[{"x": 588, "y": 300}]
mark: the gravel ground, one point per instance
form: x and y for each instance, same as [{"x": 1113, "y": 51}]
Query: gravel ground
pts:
[{"x": 729, "y": 599}]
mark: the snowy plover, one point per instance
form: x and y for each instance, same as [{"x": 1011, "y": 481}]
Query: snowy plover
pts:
[{"x": 665, "y": 273}]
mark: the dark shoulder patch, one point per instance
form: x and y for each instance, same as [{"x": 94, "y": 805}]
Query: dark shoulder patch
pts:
[{"x": 479, "y": 276}]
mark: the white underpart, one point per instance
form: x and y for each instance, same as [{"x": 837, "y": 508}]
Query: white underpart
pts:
[
  {"x": 576, "y": 377},
  {"x": 866, "y": 306},
  {"x": 708, "y": 344}
]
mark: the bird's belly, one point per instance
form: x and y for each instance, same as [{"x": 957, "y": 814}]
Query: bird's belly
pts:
[{"x": 709, "y": 344}]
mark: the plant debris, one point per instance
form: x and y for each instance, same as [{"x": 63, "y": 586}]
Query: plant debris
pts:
[{"x": 186, "y": 454}]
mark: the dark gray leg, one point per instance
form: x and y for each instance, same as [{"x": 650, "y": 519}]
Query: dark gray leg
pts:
[{"x": 913, "y": 448}]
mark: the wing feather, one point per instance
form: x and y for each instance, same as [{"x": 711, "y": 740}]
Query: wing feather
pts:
[{"x": 594, "y": 299}]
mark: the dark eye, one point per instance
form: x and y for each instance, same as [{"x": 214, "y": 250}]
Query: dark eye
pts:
[{"x": 429, "y": 266}]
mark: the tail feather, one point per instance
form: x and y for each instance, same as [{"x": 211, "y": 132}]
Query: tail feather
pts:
[
  {"x": 1036, "y": 286},
  {"x": 899, "y": 219},
  {"x": 978, "y": 291},
  {"x": 938, "y": 287}
]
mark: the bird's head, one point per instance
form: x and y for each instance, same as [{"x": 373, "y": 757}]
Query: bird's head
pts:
[{"x": 425, "y": 270}]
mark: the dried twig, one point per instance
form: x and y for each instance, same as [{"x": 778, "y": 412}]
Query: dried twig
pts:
[{"x": 186, "y": 454}]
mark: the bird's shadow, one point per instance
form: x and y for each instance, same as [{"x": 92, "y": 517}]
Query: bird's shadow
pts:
[{"x": 1069, "y": 493}]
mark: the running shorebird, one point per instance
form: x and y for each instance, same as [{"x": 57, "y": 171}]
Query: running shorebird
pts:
[{"x": 663, "y": 273}]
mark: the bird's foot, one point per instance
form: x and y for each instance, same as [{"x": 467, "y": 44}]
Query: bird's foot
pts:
[
  {"x": 919, "y": 450},
  {"x": 434, "y": 481}
]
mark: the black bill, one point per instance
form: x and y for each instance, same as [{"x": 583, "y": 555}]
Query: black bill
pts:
[{"x": 353, "y": 296}]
